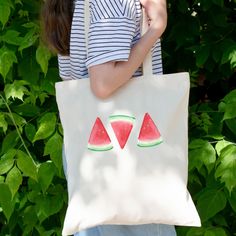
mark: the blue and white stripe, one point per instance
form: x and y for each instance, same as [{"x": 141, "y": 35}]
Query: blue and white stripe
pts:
[{"x": 114, "y": 29}]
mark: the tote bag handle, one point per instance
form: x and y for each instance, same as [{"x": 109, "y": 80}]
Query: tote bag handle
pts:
[{"x": 147, "y": 64}]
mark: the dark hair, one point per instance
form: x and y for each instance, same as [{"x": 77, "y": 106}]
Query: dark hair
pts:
[{"x": 56, "y": 18}]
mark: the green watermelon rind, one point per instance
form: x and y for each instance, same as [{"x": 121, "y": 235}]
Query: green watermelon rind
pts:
[
  {"x": 97, "y": 148},
  {"x": 114, "y": 118},
  {"x": 150, "y": 143}
]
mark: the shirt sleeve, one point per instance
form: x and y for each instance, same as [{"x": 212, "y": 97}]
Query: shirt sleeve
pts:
[
  {"x": 112, "y": 29},
  {"x": 64, "y": 66}
]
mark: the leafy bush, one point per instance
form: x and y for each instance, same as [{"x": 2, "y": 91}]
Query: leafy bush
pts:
[{"x": 199, "y": 39}]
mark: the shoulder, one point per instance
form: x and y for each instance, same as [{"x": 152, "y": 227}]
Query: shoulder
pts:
[{"x": 103, "y": 9}]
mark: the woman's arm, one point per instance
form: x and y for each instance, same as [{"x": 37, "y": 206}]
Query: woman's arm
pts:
[{"x": 108, "y": 77}]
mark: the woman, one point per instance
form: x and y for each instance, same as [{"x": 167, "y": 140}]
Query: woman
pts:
[{"x": 115, "y": 52}]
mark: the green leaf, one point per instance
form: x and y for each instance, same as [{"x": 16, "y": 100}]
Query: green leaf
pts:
[
  {"x": 59, "y": 188},
  {"x": 45, "y": 174},
  {"x": 202, "y": 55},
  {"x": 14, "y": 180},
  {"x": 26, "y": 165},
  {"x": 6, "y": 201},
  {"x": 229, "y": 55},
  {"x": 196, "y": 232},
  {"x": 216, "y": 53},
  {"x": 28, "y": 68},
  {"x": 201, "y": 153},
  {"x": 19, "y": 120},
  {"x": 3, "y": 123},
  {"x": 18, "y": 2},
  {"x": 16, "y": 89},
  {"x": 27, "y": 110},
  {"x": 60, "y": 129},
  {"x": 210, "y": 202},
  {"x": 43, "y": 55},
  {"x": 7, "y": 58},
  {"x": 2, "y": 179},
  {"x": 23, "y": 201},
  {"x": 221, "y": 107},
  {"x": 43, "y": 232},
  {"x": 5, "y": 11},
  {"x": 47, "y": 126},
  {"x": 30, "y": 132},
  {"x": 32, "y": 196},
  {"x": 23, "y": 14},
  {"x": 48, "y": 205},
  {"x": 230, "y": 111},
  {"x": 206, "y": 121},
  {"x": 9, "y": 141},
  {"x": 53, "y": 148},
  {"x": 31, "y": 25},
  {"x": 232, "y": 200},
  {"x": 226, "y": 170},
  {"x": 230, "y": 97},
  {"x": 30, "y": 218},
  {"x": 42, "y": 97},
  {"x": 215, "y": 232},
  {"x": 193, "y": 179},
  {"x": 220, "y": 220},
  {"x": 48, "y": 82},
  {"x": 232, "y": 58},
  {"x": 216, "y": 127},
  {"x": 231, "y": 124},
  {"x": 221, "y": 145},
  {"x": 7, "y": 161},
  {"x": 12, "y": 37},
  {"x": 228, "y": 105},
  {"x": 28, "y": 40}
]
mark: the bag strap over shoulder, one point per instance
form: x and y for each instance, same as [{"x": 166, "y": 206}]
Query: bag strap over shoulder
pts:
[{"x": 147, "y": 64}]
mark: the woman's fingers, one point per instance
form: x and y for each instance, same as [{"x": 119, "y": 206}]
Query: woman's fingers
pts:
[{"x": 156, "y": 12}]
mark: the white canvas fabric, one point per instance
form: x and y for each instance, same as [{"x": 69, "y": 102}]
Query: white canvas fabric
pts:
[{"x": 135, "y": 184}]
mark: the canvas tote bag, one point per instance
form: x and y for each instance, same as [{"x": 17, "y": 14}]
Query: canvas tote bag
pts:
[{"x": 127, "y": 155}]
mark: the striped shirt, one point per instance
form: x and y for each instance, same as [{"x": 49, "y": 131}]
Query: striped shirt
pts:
[{"x": 114, "y": 28}]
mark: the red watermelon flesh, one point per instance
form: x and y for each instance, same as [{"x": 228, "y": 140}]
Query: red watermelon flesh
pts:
[
  {"x": 99, "y": 139},
  {"x": 122, "y": 126},
  {"x": 149, "y": 134}
]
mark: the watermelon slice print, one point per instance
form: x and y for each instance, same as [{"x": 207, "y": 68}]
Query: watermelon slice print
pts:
[
  {"x": 122, "y": 126},
  {"x": 149, "y": 134},
  {"x": 99, "y": 139}
]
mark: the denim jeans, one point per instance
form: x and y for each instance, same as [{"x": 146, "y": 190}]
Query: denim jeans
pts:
[
  {"x": 125, "y": 230},
  {"x": 130, "y": 230}
]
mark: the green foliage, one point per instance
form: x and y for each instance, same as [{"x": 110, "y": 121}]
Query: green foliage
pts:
[
  {"x": 200, "y": 39},
  {"x": 5, "y": 10},
  {"x": 32, "y": 186},
  {"x": 7, "y": 58}
]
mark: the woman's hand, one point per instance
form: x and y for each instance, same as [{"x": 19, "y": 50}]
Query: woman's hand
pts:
[{"x": 157, "y": 14}]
